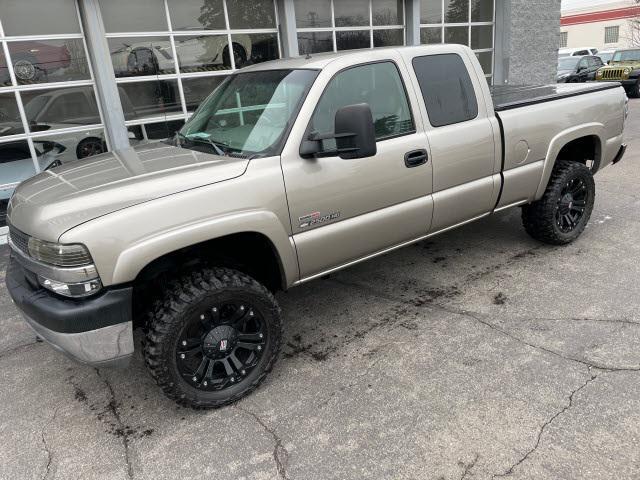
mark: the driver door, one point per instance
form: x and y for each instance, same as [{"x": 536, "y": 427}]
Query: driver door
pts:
[{"x": 345, "y": 209}]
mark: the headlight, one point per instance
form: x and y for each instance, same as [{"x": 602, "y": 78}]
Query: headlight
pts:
[
  {"x": 60, "y": 255},
  {"x": 599, "y": 73},
  {"x": 626, "y": 71}
]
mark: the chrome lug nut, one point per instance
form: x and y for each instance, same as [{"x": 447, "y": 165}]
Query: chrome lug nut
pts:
[
  {"x": 184, "y": 343},
  {"x": 242, "y": 307},
  {"x": 195, "y": 379},
  {"x": 201, "y": 317},
  {"x": 259, "y": 348},
  {"x": 260, "y": 335},
  {"x": 214, "y": 309},
  {"x": 205, "y": 383},
  {"x": 243, "y": 372},
  {"x": 182, "y": 355},
  {"x": 232, "y": 379},
  {"x": 251, "y": 313}
]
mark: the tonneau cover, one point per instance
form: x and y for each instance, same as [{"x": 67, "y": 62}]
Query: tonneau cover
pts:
[{"x": 506, "y": 97}]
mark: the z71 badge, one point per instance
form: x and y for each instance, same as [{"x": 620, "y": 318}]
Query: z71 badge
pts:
[{"x": 315, "y": 218}]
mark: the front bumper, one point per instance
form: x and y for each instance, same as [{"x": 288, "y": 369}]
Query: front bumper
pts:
[
  {"x": 620, "y": 154},
  {"x": 627, "y": 84},
  {"x": 97, "y": 330}
]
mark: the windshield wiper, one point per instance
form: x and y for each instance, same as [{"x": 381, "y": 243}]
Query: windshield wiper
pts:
[{"x": 207, "y": 140}]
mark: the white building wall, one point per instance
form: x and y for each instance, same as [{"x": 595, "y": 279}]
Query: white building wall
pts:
[{"x": 592, "y": 35}]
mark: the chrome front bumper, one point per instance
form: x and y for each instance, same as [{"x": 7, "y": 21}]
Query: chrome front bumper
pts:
[{"x": 110, "y": 346}]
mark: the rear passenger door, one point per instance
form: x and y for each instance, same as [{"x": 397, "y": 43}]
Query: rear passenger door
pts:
[{"x": 461, "y": 135}]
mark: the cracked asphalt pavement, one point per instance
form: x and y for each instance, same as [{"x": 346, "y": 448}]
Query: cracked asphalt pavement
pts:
[{"x": 478, "y": 354}]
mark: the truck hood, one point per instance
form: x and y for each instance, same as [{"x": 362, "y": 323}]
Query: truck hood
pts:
[{"x": 52, "y": 202}]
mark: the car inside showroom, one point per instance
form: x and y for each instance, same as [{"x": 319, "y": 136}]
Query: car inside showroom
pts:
[{"x": 88, "y": 76}]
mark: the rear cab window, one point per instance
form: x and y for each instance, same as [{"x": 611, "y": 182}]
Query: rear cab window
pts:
[{"x": 446, "y": 88}]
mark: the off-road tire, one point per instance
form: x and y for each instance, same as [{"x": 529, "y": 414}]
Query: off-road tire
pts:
[
  {"x": 539, "y": 217},
  {"x": 187, "y": 296}
]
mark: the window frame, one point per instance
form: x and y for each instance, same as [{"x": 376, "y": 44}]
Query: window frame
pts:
[
  {"x": 370, "y": 28},
  {"x": 309, "y": 129},
  {"x": 443, "y": 25},
  {"x": 608, "y": 30},
  {"x": 426, "y": 107},
  {"x": 564, "y": 38}
]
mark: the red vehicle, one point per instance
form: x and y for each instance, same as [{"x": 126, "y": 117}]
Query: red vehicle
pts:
[{"x": 34, "y": 60}]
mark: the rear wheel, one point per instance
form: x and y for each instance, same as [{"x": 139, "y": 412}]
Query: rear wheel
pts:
[
  {"x": 562, "y": 213},
  {"x": 213, "y": 338}
]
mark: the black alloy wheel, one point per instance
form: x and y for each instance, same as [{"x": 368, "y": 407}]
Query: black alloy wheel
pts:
[
  {"x": 213, "y": 337},
  {"x": 571, "y": 204},
  {"x": 219, "y": 347},
  {"x": 561, "y": 215},
  {"x": 89, "y": 147}
]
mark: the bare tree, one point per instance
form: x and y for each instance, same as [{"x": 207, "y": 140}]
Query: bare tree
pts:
[{"x": 634, "y": 28}]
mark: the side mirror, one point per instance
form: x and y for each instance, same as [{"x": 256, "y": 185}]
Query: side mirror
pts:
[{"x": 354, "y": 134}]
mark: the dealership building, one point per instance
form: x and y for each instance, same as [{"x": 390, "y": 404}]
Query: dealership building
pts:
[{"x": 80, "y": 77}]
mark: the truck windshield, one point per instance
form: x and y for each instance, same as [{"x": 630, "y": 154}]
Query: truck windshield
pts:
[
  {"x": 248, "y": 114},
  {"x": 627, "y": 56}
]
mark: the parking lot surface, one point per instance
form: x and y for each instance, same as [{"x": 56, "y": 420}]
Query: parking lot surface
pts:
[{"x": 477, "y": 354}]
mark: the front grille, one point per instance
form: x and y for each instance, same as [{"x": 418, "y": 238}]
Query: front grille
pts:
[
  {"x": 19, "y": 239},
  {"x": 612, "y": 74}
]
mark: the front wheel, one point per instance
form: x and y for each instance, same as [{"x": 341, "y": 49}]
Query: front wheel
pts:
[
  {"x": 634, "y": 92},
  {"x": 213, "y": 338},
  {"x": 562, "y": 213}
]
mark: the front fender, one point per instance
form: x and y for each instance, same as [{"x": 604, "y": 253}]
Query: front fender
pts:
[
  {"x": 136, "y": 256},
  {"x": 560, "y": 140}
]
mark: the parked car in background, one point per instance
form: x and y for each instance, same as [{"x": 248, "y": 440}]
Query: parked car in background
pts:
[
  {"x": 34, "y": 60},
  {"x": 16, "y": 163},
  {"x": 195, "y": 53},
  {"x": 578, "y": 69},
  {"x": 624, "y": 67},
  {"x": 606, "y": 55},
  {"x": 577, "y": 52}
]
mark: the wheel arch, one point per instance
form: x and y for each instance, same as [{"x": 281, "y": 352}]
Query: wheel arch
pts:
[
  {"x": 249, "y": 239},
  {"x": 576, "y": 143}
]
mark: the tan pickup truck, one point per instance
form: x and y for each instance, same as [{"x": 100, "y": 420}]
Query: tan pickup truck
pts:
[{"x": 290, "y": 170}]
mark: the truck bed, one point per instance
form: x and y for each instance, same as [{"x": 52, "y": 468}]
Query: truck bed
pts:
[{"x": 506, "y": 97}]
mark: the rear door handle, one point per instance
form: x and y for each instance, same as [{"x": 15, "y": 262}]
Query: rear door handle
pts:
[{"x": 415, "y": 158}]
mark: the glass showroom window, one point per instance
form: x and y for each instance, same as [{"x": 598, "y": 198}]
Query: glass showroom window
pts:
[
  {"x": 331, "y": 25},
  {"x": 469, "y": 22},
  {"x": 48, "y": 109},
  {"x": 168, "y": 55}
]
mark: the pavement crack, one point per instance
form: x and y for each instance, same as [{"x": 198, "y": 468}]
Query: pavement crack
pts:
[
  {"x": 17, "y": 348},
  {"x": 280, "y": 454},
  {"x": 121, "y": 429},
  {"x": 45, "y": 444},
  {"x": 467, "y": 467},
  {"x": 542, "y": 429},
  {"x": 492, "y": 326},
  {"x": 476, "y": 317}
]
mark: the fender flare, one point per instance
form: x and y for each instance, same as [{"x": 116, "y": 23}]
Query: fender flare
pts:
[
  {"x": 135, "y": 257},
  {"x": 560, "y": 140}
]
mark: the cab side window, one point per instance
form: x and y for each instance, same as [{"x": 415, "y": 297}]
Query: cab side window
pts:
[
  {"x": 447, "y": 89},
  {"x": 377, "y": 84}
]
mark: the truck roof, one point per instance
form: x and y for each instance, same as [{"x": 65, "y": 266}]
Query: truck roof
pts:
[{"x": 321, "y": 60}]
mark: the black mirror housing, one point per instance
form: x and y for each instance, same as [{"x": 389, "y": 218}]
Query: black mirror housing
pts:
[{"x": 354, "y": 132}]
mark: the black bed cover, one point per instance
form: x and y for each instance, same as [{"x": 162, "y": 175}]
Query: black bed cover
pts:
[{"x": 506, "y": 97}]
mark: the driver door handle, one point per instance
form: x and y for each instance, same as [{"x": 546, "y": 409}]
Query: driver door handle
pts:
[{"x": 415, "y": 158}]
